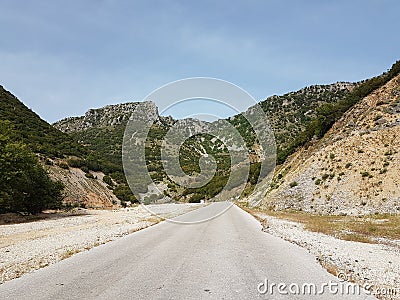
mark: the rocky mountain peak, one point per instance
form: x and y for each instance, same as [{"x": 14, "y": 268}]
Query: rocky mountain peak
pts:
[{"x": 110, "y": 115}]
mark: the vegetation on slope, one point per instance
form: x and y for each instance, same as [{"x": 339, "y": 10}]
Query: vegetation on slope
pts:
[
  {"x": 31, "y": 130},
  {"x": 24, "y": 185},
  {"x": 329, "y": 113},
  {"x": 296, "y": 118},
  {"x": 39, "y": 137},
  {"x": 102, "y": 131}
]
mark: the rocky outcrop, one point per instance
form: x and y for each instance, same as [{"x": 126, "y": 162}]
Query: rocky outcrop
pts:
[{"x": 109, "y": 115}]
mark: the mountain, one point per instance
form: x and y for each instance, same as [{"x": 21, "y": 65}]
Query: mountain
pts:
[
  {"x": 354, "y": 168},
  {"x": 54, "y": 150},
  {"x": 85, "y": 152},
  {"x": 290, "y": 113},
  {"x": 102, "y": 131},
  {"x": 298, "y": 120}
]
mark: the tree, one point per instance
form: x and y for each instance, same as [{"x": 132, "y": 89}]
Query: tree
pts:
[
  {"x": 124, "y": 193},
  {"x": 24, "y": 185}
]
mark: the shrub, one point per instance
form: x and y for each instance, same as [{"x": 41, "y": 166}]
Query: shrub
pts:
[
  {"x": 107, "y": 179},
  {"x": 75, "y": 163},
  {"x": 89, "y": 175},
  {"x": 124, "y": 193},
  {"x": 195, "y": 198},
  {"x": 366, "y": 174},
  {"x": 63, "y": 165},
  {"x": 48, "y": 162},
  {"x": 293, "y": 184}
]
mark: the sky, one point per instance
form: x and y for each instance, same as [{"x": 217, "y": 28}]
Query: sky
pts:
[{"x": 63, "y": 57}]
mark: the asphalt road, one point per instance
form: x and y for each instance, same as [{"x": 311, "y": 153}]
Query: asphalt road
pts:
[{"x": 227, "y": 257}]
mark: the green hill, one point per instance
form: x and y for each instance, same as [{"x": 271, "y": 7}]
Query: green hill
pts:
[
  {"x": 30, "y": 129},
  {"x": 23, "y": 129}
]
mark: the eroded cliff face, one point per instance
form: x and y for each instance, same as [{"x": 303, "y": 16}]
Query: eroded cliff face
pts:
[
  {"x": 354, "y": 169},
  {"x": 82, "y": 191}
]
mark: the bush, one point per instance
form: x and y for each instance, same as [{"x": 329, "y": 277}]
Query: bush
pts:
[
  {"x": 48, "y": 162},
  {"x": 195, "y": 198},
  {"x": 107, "y": 179},
  {"x": 383, "y": 171},
  {"x": 124, "y": 193},
  {"x": 75, "y": 163},
  {"x": 293, "y": 184},
  {"x": 63, "y": 165},
  {"x": 365, "y": 174},
  {"x": 89, "y": 175}
]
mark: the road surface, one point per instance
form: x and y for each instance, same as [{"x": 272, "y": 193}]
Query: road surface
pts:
[{"x": 228, "y": 257}]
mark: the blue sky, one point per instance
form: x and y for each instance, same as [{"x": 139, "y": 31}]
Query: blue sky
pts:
[{"x": 63, "y": 57}]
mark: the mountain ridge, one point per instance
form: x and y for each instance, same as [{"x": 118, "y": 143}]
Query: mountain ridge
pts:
[{"x": 102, "y": 129}]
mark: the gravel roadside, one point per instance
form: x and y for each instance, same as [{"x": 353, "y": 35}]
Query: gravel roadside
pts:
[
  {"x": 374, "y": 266},
  {"x": 25, "y": 247}
]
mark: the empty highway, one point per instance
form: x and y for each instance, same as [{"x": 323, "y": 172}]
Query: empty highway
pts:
[{"x": 227, "y": 257}]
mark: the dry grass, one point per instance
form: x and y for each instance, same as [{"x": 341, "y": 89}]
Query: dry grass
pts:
[
  {"x": 69, "y": 253},
  {"x": 366, "y": 229}
]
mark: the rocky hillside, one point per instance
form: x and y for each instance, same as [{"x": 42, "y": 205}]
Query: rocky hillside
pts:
[
  {"x": 353, "y": 169},
  {"x": 83, "y": 191},
  {"x": 110, "y": 115},
  {"x": 102, "y": 131},
  {"x": 54, "y": 150},
  {"x": 289, "y": 114}
]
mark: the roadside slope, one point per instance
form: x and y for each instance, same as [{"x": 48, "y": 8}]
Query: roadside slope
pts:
[{"x": 353, "y": 169}]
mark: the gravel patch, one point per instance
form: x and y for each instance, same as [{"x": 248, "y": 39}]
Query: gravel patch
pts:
[
  {"x": 25, "y": 247},
  {"x": 375, "y": 266}
]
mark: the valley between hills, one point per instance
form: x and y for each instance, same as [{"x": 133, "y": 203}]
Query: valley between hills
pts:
[{"x": 334, "y": 189}]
